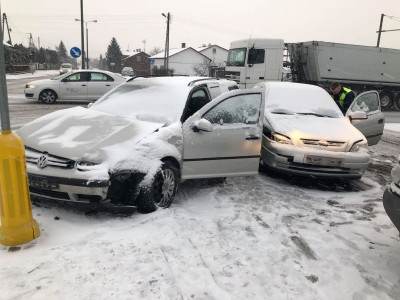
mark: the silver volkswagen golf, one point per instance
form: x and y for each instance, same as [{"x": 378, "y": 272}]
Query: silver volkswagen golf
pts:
[
  {"x": 306, "y": 133},
  {"x": 135, "y": 144}
]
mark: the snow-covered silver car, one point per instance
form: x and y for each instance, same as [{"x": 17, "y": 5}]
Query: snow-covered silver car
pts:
[
  {"x": 65, "y": 68},
  {"x": 134, "y": 145},
  {"x": 81, "y": 85},
  {"x": 391, "y": 197},
  {"x": 306, "y": 133}
]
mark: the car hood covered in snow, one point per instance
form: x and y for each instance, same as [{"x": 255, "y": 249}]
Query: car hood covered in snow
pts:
[
  {"x": 312, "y": 127},
  {"x": 78, "y": 132}
]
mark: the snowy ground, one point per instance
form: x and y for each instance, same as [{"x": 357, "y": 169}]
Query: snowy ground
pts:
[
  {"x": 262, "y": 237},
  {"x": 393, "y": 127},
  {"x": 38, "y": 73}
]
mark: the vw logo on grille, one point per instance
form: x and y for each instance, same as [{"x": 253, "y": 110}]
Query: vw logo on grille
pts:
[{"x": 42, "y": 161}]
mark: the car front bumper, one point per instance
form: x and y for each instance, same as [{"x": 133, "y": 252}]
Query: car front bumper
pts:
[
  {"x": 391, "y": 203},
  {"x": 67, "y": 189},
  {"x": 291, "y": 159},
  {"x": 29, "y": 93}
]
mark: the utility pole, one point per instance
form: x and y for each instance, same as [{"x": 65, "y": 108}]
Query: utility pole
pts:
[
  {"x": 38, "y": 42},
  {"x": 380, "y": 31},
  {"x": 5, "y": 21},
  {"x": 82, "y": 38},
  {"x": 144, "y": 45},
  {"x": 166, "y": 51},
  {"x": 87, "y": 47}
]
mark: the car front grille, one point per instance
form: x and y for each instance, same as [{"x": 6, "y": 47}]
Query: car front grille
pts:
[
  {"x": 33, "y": 156},
  {"x": 337, "y": 146}
]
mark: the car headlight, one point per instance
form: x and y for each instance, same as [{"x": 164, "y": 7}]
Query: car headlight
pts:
[
  {"x": 29, "y": 86},
  {"x": 280, "y": 138},
  {"x": 359, "y": 146},
  {"x": 85, "y": 165}
]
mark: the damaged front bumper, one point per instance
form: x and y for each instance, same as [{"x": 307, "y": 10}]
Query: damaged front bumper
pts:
[{"x": 68, "y": 189}]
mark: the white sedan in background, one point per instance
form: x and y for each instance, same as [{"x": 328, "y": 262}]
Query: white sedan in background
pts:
[{"x": 82, "y": 85}]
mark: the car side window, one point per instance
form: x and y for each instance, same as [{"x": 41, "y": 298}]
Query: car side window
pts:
[
  {"x": 240, "y": 109},
  {"x": 76, "y": 77},
  {"x": 368, "y": 103},
  {"x": 197, "y": 100},
  {"x": 95, "y": 76}
]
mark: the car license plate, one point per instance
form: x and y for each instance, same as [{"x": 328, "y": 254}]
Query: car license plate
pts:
[
  {"x": 322, "y": 161},
  {"x": 42, "y": 183}
]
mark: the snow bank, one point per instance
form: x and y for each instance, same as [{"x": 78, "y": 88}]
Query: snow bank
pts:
[
  {"x": 38, "y": 73},
  {"x": 393, "y": 127}
]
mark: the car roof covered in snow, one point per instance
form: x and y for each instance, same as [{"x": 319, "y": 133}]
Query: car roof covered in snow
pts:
[{"x": 154, "y": 99}]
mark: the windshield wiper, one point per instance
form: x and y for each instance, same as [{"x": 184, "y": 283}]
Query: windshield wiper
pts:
[
  {"x": 314, "y": 114},
  {"x": 281, "y": 112}
]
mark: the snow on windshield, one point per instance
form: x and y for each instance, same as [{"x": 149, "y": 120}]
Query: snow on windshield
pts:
[
  {"x": 291, "y": 98},
  {"x": 146, "y": 100}
]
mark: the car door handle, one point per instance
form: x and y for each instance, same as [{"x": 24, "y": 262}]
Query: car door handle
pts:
[
  {"x": 252, "y": 137},
  {"x": 380, "y": 121},
  {"x": 108, "y": 84},
  {"x": 83, "y": 84}
]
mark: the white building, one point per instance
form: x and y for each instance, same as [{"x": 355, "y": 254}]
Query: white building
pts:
[
  {"x": 217, "y": 54},
  {"x": 182, "y": 61}
]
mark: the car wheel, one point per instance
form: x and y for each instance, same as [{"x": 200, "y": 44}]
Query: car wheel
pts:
[
  {"x": 48, "y": 97},
  {"x": 386, "y": 100},
  {"x": 397, "y": 102},
  {"x": 162, "y": 191}
]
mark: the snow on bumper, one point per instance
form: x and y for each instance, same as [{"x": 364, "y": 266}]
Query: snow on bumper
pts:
[
  {"x": 293, "y": 159},
  {"x": 67, "y": 185}
]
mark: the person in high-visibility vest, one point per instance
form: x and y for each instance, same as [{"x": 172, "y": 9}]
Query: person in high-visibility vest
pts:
[{"x": 343, "y": 96}]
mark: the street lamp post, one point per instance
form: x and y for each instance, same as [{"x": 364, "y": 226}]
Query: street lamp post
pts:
[
  {"x": 87, "y": 40},
  {"x": 166, "y": 51}
]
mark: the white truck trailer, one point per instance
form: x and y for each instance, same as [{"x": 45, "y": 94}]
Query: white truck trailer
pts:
[{"x": 361, "y": 68}]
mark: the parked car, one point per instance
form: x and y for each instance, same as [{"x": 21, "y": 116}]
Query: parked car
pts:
[
  {"x": 135, "y": 144},
  {"x": 82, "y": 85},
  {"x": 127, "y": 71},
  {"x": 65, "y": 68},
  {"x": 391, "y": 197},
  {"x": 306, "y": 133}
]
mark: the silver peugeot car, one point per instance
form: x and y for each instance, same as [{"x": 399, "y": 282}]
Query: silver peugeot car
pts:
[
  {"x": 135, "y": 144},
  {"x": 306, "y": 133}
]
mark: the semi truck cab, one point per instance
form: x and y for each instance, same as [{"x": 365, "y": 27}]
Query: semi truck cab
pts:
[{"x": 253, "y": 60}]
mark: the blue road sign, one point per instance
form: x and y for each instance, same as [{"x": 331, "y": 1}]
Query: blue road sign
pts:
[{"x": 75, "y": 52}]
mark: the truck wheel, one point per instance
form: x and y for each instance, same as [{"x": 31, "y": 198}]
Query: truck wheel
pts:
[
  {"x": 397, "y": 102},
  {"x": 386, "y": 100}
]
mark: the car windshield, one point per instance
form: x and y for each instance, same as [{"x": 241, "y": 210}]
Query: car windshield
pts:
[
  {"x": 59, "y": 76},
  {"x": 236, "y": 57},
  {"x": 297, "y": 99},
  {"x": 152, "y": 100}
]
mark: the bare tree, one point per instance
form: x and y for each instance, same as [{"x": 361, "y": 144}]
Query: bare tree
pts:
[
  {"x": 203, "y": 69},
  {"x": 155, "y": 51}
]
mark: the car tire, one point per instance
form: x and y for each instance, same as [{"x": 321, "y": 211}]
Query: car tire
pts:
[
  {"x": 397, "y": 102},
  {"x": 162, "y": 191},
  {"x": 48, "y": 96},
  {"x": 386, "y": 100}
]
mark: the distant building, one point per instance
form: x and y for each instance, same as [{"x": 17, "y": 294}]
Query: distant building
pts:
[
  {"x": 217, "y": 54},
  {"x": 183, "y": 61},
  {"x": 139, "y": 62}
]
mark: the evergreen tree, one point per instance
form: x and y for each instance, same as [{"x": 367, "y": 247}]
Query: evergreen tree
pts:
[
  {"x": 114, "y": 56},
  {"x": 62, "y": 52}
]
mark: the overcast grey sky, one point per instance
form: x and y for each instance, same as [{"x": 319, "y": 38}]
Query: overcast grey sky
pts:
[{"x": 205, "y": 21}]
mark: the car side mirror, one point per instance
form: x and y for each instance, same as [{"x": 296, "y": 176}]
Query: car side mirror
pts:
[
  {"x": 202, "y": 125},
  {"x": 90, "y": 105},
  {"x": 358, "y": 115}
]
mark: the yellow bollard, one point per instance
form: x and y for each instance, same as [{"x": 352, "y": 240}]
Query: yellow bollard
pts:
[{"x": 17, "y": 225}]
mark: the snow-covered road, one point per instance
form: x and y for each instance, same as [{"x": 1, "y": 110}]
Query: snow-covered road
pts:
[{"x": 262, "y": 237}]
